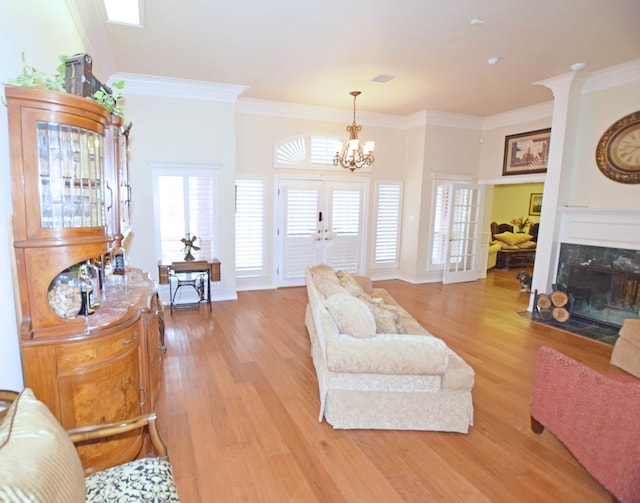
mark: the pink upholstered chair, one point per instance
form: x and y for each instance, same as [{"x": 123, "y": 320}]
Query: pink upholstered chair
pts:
[{"x": 596, "y": 417}]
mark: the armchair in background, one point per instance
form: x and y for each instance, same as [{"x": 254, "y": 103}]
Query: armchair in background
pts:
[{"x": 595, "y": 416}]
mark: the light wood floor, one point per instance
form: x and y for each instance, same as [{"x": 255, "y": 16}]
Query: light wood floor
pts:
[{"x": 239, "y": 407}]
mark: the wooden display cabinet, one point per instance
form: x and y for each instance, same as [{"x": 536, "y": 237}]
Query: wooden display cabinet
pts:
[{"x": 66, "y": 154}]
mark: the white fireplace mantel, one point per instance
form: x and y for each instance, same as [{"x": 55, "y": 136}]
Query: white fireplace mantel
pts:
[{"x": 609, "y": 228}]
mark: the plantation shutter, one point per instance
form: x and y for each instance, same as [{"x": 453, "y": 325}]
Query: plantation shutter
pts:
[
  {"x": 440, "y": 224},
  {"x": 387, "y": 224},
  {"x": 301, "y": 230},
  {"x": 323, "y": 149},
  {"x": 343, "y": 250},
  {"x": 249, "y": 228},
  {"x": 186, "y": 207}
]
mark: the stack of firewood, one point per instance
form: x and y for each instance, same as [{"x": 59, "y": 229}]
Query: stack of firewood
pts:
[{"x": 553, "y": 305}]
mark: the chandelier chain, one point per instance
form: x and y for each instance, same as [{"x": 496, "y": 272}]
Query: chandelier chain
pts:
[{"x": 354, "y": 156}]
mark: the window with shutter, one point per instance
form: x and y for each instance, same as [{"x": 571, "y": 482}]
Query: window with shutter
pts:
[
  {"x": 309, "y": 151},
  {"x": 387, "y": 236},
  {"x": 440, "y": 225},
  {"x": 186, "y": 204},
  {"x": 250, "y": 231}
]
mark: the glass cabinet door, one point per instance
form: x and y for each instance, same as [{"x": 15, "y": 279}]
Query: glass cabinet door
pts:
[
  {"x": 123, "y": 176},
  {"x": 70, "y": 170}
]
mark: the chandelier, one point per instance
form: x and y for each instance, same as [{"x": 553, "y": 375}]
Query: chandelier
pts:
[{"x": 354, "y": 155}]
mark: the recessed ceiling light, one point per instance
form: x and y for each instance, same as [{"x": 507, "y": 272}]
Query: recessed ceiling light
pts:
[
  {"x": 494, "y": 60},
  {"x": 382, "y": 79},
  {"x": 578, "y": 66},
  {"x": 475, "y": 21},
  {"x": 123, "y": 11}
]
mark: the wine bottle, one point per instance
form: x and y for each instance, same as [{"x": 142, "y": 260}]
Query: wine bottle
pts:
[{"x": 118, "y": 260}]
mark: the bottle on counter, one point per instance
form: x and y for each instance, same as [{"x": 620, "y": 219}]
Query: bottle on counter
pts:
[
  {"x": 96, "y": 284},
  {"x": 86, "y": 293},
  {"x": 118, "y": 262},
  {"x": 107, "y": 267}
]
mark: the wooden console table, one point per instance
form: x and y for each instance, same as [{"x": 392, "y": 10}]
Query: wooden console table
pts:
[{"x": 183, "y": 271}]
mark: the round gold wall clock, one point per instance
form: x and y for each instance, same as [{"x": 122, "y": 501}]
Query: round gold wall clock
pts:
[{"x": 618, "y": 151}]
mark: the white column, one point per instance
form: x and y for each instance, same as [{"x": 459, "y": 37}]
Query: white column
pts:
[{"x": 567, "y": 94}]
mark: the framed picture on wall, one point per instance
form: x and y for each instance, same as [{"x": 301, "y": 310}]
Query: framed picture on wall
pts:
[
  {"x": 526, "y": 153},
  {"x": 535, "y": 204}
]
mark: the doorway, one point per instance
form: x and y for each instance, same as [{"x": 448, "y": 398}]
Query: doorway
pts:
[{"x": 319, "y": 221}]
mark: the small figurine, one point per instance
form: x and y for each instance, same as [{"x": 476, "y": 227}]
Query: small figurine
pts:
[{"x": 188, "y": 246}]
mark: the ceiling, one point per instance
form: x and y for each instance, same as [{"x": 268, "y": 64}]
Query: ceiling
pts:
[{"x": 316, "y": 52}]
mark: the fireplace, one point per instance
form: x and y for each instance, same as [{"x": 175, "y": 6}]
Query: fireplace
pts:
[{"x": 604, "y": 283}]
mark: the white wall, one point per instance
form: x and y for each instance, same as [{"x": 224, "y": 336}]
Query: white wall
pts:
[
  {"x": 413, "y": 174},
  {"x": 493, "y": 138},
  {"x": 43, "y": 31},
  {"x": 180, "y": 131},
  {"x": 599, "y": 110},
  {"x": 258, "y": 131},
  {"x": 512, "y": 201}
]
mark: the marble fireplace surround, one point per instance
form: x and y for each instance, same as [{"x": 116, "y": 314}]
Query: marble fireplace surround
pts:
[{"x": 602, "y": 237}]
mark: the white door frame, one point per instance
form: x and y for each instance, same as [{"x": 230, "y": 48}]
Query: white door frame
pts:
[{"x": 279, "y": 221}]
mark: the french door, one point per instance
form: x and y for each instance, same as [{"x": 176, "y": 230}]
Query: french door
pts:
[
  {"x": 319, "y": 221},
  {"x": 463, "y": 233}
]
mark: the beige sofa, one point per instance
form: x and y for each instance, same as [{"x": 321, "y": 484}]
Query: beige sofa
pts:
[{"x": 376, "y": 366}]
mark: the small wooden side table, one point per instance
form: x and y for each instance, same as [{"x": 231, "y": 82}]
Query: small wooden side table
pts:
[{"x": 183, "y": 271}]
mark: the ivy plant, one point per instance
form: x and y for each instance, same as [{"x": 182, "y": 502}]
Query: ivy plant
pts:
[
  {"x": 110, "y": 100},
  {"x": 32, "y": 78}
]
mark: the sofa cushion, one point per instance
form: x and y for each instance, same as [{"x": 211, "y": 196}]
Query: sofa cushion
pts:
[
  {"x": 38, "y": 461},
  {"x": 387, "y": 354},
  {"x": 352, "y": 315},
  {"x": 146, "y": 479}
]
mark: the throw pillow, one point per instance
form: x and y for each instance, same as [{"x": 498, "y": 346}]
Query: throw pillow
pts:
[
  {"x": 323, "y": 269},
  {"x": 387, "y": 316},
  {"x": 512, "y": 239},
  {"x": 38, "y": 461},
  {"x": 527, "y": 245},
  {"x": 352, "y": 316},
  {"x": 350, "y": 283},
  {"x": 327, "y": 287}
]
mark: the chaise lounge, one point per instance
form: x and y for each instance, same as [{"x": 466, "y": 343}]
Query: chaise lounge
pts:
[{"x": 376, "y": 366}]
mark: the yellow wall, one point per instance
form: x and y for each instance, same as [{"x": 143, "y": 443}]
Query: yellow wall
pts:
[{"x": 512, "y": 201}]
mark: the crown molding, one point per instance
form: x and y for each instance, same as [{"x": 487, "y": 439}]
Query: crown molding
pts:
[
  {"x": 613, "y": 76},
  {"x": 447, "y": 119},
  {"x": 151, "y": 85},
  {"x": 519, "y": 116},
  {"x": 313, "y": 112}
]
